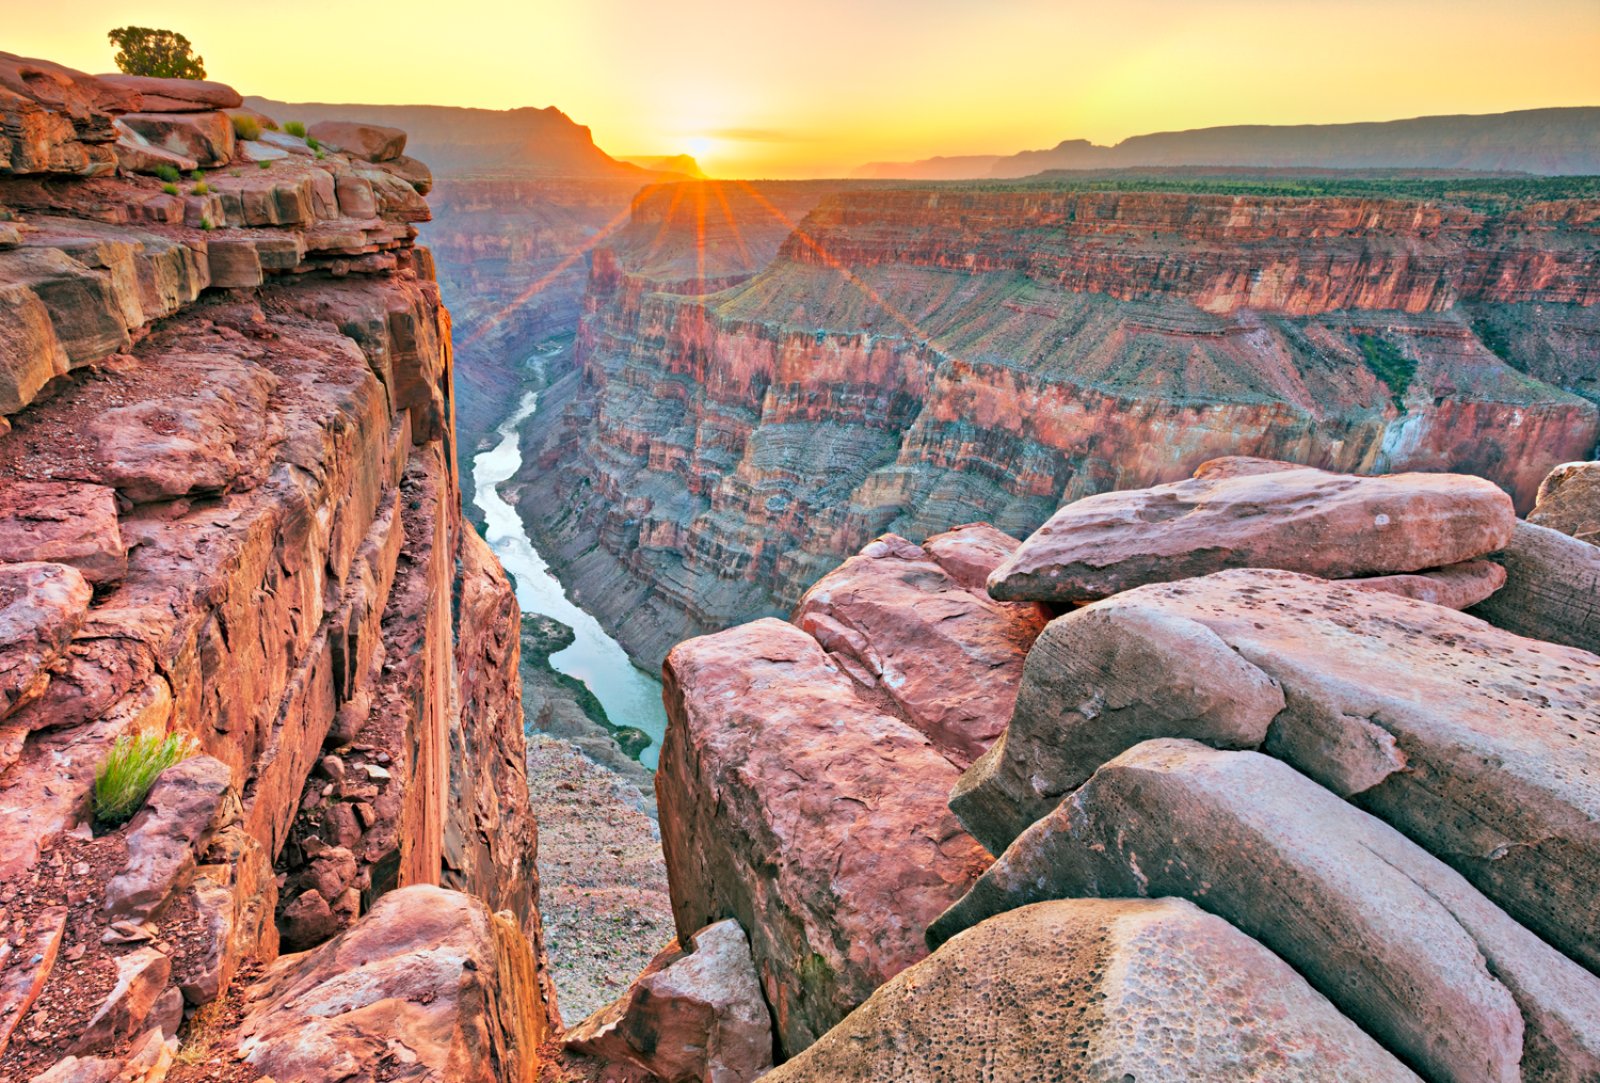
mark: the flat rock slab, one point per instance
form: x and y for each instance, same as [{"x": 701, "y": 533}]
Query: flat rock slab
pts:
[
  {"x": 41, "y": 606},
  {"x": 691, "y": 1015},
  {"x": 207, "y": 138},
  {"x": 63, "y": 523},
  {"x": 817, "y": 820},
  {"x": 374, "y": 142},
  {"x": 1482, "y": 746},
  {"x": 1233, "y": 515},
  {"x": 1399, "y": 942},
  {"x": 1552, "y": 588},
  {"x": 157, "y": 95},
  {"x": 946, "y": 656},
  {"x": 429, "y": 974},
  {"x": 1569, "y": 501},
  {"x": 1459, "y": 586},
  {"x": 1091, "y": 989}
]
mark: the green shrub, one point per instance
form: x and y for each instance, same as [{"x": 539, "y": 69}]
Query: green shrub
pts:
[
  {"x": 200, "y": 189},
  {"x": 207, "y": 225},
  {"x": 1389, "y": 365},
  {"x": 197, "y": 175},
  {"x": 311, "y": 141},
  {"x": 263, "y": 165},
  {"x": 168, "y": 173},
  {"x": 246, "y": 126},
  {"x": 170, "y": 189},
  {"x": 124, "y": 779},
  {"x": 320, "y": 154},
  {"x": 295, "y": 128}
]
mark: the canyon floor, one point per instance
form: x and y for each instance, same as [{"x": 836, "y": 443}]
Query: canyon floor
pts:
[{"x": 603, "y": 893}]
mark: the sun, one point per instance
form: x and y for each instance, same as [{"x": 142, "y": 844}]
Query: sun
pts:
[{"x": 700, "y": 145}]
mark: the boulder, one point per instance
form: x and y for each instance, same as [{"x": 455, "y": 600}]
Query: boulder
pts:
[
  {"x": 1552, "y": 581},
  {"x": 1157, "y": 991},
  {"x": 1399, "y": 942},
  {"x": 41, "y": 606},
  {"x": 205, "y": 137},
  {"x": 71, "y": 523},
  {"x": 1459, "y": 586},
  {"x": 413, "y": 172},
  {"x": 373, "y": 142},
  {"x": 1478, "y": 744},
  {"x": 947, "y": 657},
  {"x": 185, "y": 807},
  {"x": 429, "y": 978},
  {"x": 1569, "y": 501},
  {"x": 1233, "y": 515},
  {"x": 690, "y": 1017},
  {"x": 148, "y": 1060},
  {"x": 969, "y": 553},
  {"x": 136, "y": 154},
  {"x": 817, "y": 820},
  {"x": 157, "y": 95},
  {"x": 141, "y": 982}
]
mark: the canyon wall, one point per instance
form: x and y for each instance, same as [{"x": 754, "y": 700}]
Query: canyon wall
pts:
[
  {"x": 231, "y": 517},
  {"x": 911, "y": 359}
]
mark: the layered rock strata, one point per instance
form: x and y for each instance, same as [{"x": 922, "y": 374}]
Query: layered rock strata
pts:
[
  {"x": 231, "y": 515},
  {"x": 916, "y": 358}
]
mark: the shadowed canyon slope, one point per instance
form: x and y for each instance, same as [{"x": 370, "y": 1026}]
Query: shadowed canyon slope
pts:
[{"x": 911, "y": 359}]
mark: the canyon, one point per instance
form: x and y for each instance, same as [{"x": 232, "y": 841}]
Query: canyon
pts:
[
  {"x": 1103, "y": 633},
  {"x": 768, "y": 376}
]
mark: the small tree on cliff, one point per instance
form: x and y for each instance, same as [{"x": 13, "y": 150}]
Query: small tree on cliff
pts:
[{"x": 162, "y": 53}]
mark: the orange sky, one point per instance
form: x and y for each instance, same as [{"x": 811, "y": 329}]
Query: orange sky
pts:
[{"x": 817, "y": 87}]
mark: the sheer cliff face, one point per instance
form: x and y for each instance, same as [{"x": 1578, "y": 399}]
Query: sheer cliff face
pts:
[
  {"x": 912, "y": 359},
  {"x": 229, "y": 511}
]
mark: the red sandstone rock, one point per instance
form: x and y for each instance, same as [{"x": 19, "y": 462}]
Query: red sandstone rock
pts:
[
  {"x": 1552, "y": 581},
  {"x": 206, "y": 137},
  {"x": 792, "y": 804},
  {"x": 1472, "y": 741},
  {"x": 25, "y": 975},
  {"x": 63, "y": 523},
  {"x": 41, "y": 607},
  {"x": 184, "y": 808},
  {"x": 141, "y": 980},
  {"x": 1397, "y": 940},
  {"x": 1330, "y": 525},
  {"x": 1096, "y": 989},
  {"x": 947, "y": 657},
  {"x": 158, "y": 95},
  {"x": 1569, "y": 501},
  {"x": 1459, "y": 586},
  {"x": 690, "y": 1017},
  {"x": 968, "y": 553},
  {"x": 373, "y": 142},
  {"x": 427, "y": 971}
]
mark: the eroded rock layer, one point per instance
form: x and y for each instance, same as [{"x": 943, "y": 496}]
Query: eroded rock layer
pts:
[
  {"x": 914, "y": 359},
  {"x": 231, "y": 515}
]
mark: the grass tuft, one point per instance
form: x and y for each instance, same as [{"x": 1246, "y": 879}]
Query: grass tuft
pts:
[
  {"x": 295, "y": 128},
  {"x": 125, "y": 778},
  {"x": 246, "y": 127}
]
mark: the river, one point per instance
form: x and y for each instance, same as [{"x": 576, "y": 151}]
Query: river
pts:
[{"x": 630, "y": 696}]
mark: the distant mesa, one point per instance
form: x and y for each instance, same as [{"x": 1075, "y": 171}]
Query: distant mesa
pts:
[
  {"x": 459, "y": 141},
  {"x": 681, "y": 164},
  {"x": 1551, "y": 142}
]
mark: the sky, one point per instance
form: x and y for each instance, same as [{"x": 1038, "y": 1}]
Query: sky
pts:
[{"x": 767, "y": 88}]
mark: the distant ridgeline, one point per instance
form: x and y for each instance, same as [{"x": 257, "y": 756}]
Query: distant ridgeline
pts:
[{"x": 1544, "y": 141}]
